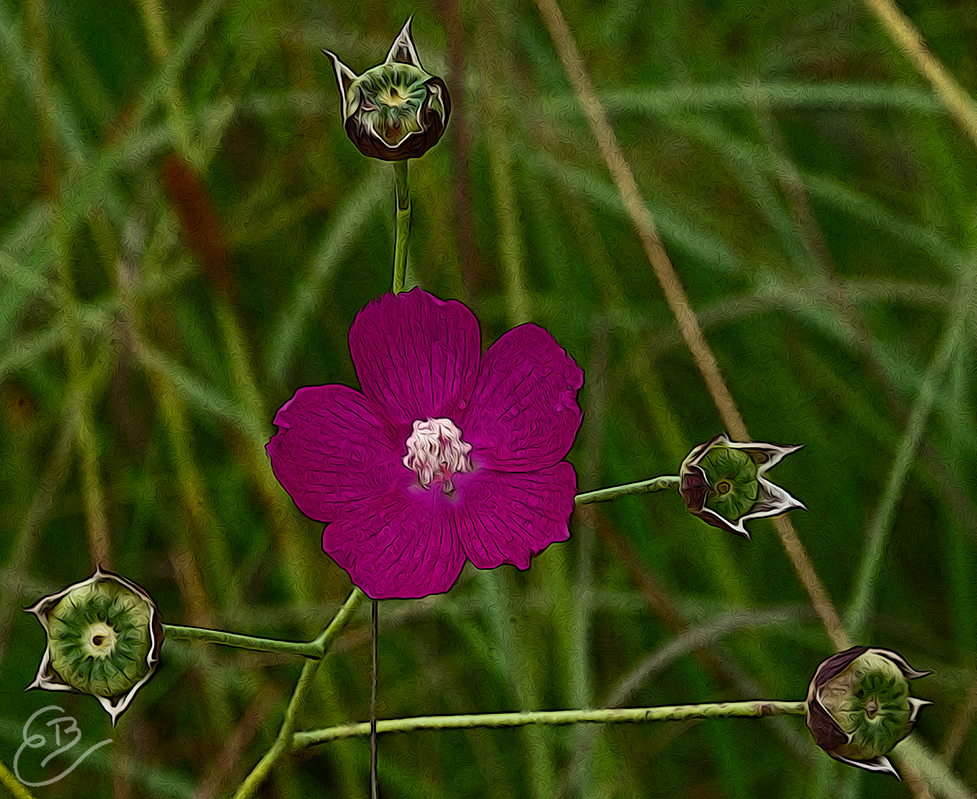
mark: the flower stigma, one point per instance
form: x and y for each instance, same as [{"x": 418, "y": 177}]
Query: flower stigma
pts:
[
  {"x": 99, "y": 640},
  {"x": 436, "y": 452}
]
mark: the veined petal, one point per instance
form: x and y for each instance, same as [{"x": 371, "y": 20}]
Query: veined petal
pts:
[
  {"x": 333, "y": 446},
  {"x": 510, "y": 516},
  {"x": 396, "y": 548},
  {"x": 416, "y": 355},
  {"x": 524, "y": 413}
]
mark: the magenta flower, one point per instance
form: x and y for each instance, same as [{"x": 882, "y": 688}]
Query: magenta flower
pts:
[{"x": 446, "y": 455}]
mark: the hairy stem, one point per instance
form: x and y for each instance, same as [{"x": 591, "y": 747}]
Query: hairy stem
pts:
[
  {"x": 753, "y": 708},
  {"x": 644, "y": 487},
  {"x": 177, "y": 633}
]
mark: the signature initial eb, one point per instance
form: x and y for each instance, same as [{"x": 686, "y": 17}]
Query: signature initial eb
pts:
[{"x": 65, "y": 733}]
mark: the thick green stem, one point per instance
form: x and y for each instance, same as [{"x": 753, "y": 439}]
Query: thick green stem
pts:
[
  {"x": 755, "y": 708},
  {"x": 12, "y": 784},
  {"x": 402, "y": 195},
  {"x": 283, "y": 741},
  {"x": 644, "y": 487},
  {"x": 331, "y": 633}
]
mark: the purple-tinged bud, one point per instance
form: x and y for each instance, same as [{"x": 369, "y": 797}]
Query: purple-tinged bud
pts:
[
  {"x": 859, "y": 707},
  {"x": 723, "y": 483},
  {"x": 395, "y": 110}
]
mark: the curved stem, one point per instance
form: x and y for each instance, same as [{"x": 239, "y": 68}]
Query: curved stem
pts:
[
  {"x": 284, "y": 739},
  {"x": 402, "y": 195},
  {"x": 331, "y": 633},
  {"x": 644, "y": 487},
  {"x": 754, "y": 708}
]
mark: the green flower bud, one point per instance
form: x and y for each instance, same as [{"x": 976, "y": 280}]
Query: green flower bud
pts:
[
  {"x": 859, "y": 707},
  {"x": 723, "y": 483},
  {"x": 395, "y": 110},
  {"x": 103, "y": 638}
]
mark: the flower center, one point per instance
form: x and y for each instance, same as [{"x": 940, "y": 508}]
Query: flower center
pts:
[
  {"x": 392, "y": 97},
  {"x": 99, "y": 640},
  {"x": 436, "y": 452}
]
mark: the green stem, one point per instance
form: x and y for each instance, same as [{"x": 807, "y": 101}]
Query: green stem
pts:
[
  {"x": 314, "y": 649},
  {"x": 644, "y": 487},
  {"x": 283, "y": 741},
  {"x": 402, "y": 195},
  {"x": 12, "y": 784},
  {"x": 177, "y": 633},
  {"x": 755, "y": 708},
  {"x": 331, "y": 633}
]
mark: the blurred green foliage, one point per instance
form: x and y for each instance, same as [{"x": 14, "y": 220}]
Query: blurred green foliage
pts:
[{"x": 186, "y": 235}]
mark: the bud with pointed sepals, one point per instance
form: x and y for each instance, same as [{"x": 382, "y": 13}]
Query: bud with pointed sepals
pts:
[
  {"x": 723, "y": 483},
  {"x": 103, "y": 638},
  {"x": 859, "y": 707},
  {"x": 395, "y": 110}
]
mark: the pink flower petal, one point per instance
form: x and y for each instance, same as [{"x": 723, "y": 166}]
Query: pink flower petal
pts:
[
  {"x": 334, "y": 446},
  {"x": 524, "y": 413},
  {"x": 394, "y": 547},
  {"x": 416, "y": 355},
  {"x": 508, "y": 517}
]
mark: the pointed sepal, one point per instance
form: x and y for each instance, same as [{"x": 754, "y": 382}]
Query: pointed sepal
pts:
[
  {"x": 859, "y": 707},
  {"x": 724, "y": 483},
  {"x": 395, "y": 110},
  {"x": 104, "y": 637}
]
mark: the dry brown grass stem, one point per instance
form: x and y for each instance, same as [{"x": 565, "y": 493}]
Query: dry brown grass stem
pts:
[
  {"x": 900, "y": 27},
  {"x": 675, "y": 295}
]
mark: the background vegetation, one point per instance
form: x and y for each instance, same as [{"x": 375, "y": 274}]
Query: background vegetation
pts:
[{"x": 186, "y": 235}]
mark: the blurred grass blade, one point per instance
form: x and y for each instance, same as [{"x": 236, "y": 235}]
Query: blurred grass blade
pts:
[
  {"x": 881, "y": 522},
  {"x": 346, "y": 225},
  {"x": 705, "y": 247},
  {"x": 666, "y": 102},
  {"x": 875, "y": 214}
]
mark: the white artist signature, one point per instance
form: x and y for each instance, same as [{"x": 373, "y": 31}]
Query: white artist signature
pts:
[{"x": 69, "y": 732}]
